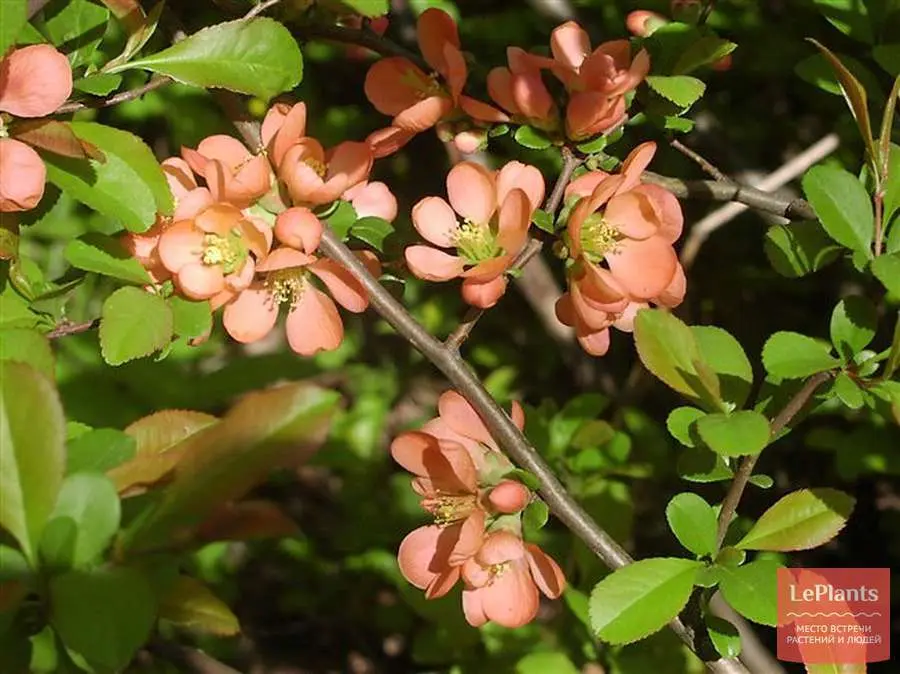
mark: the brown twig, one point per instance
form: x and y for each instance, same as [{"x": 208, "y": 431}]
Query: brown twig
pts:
[
  {"x": 122, "y": 97},
  {"x": 701, "y": 161},
  {"x": 748, "y": 463},
  {"x": 65, "y": 329},
  {"x": 532, "y": 248},
  {"x": 793, "y": 209},
  {"x": 189, "y": 659},
  {"x": 260, "y": 8}
]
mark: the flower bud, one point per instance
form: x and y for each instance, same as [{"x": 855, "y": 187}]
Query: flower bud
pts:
[
  {"x": 299, "y": 228},
  {"x": 509, "y": 497},
  {"x": 644, "y": 23},
  {"x": 471, "y": 141},
  {"x": 22, "y": 175}
]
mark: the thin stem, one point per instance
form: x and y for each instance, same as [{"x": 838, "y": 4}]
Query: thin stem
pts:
[
  {"x": 361, "y": 37},
  {"x": 878, "y": 201},
  {"x": 260, "y": 8},
  {"x": 701, "y": 161},
  {"x": 66, "y": 329},
  {"x": 501, "y": 427},
  {"x": 532, "y": 248},
  {"x": 745, "y": 469},
  {"x": 793, "y": 209},
  {"x": 122, "y": 97}
]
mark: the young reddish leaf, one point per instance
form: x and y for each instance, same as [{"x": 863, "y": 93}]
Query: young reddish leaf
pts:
[
  {"x": 161, "y": 442},
  {"x": 267, "y": 429},
  {"x": 32, "y": 452},
  {"x": 191, "y": 605},
  {"x": 801, "y": 520},
  {"x": 246, "y": 520},
  {"x": 855, "y": 95},
  {"x": 636, "y": 600},
  {"x": 56, "y": 137}
]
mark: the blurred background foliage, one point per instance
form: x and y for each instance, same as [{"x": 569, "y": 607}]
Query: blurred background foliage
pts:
[{"x": 330, "y": 599}]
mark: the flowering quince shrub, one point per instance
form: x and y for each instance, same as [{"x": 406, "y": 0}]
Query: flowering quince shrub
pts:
[{"x": 170, "y": 193}]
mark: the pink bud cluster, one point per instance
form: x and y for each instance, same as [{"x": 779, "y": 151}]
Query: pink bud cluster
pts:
[
  {"x": 244, "y": 235},
  {"x": 476, "y": 537}
]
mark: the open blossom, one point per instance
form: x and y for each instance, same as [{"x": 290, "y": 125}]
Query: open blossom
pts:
[
  {"x": 286, "y": 278},
  {"x": 486, "y": 221},
  {"x": 34, "y": 82},
  {"x": 231, "y": 171},
  {"x": 477, "y": 534},
  {"x": 630, "y": 227},
  {"x": 520, "y": 90},
  {"x": 418, "y": 100}
]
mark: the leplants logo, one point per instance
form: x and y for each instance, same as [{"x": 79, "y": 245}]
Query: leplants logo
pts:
[{"x": 834, "y": 615}]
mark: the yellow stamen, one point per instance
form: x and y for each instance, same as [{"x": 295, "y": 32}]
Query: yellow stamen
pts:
[
  {"x": 598, "y": 238},
  {"x": 449, "y": 508},
  {"x": 227, "y": 252},
  {"x": 318, "y": 166},
  {"x": 286, "y": 285},
  {"x": 476, "y": 242}
]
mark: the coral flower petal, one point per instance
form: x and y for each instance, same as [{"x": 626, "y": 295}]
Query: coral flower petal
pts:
[
  {"x": 471, "y": 192},
  {"x": 22, "y": 176},
  {"x": 471, "y": 536},
  {"x": 416, "y": 555},
  {"x": 570, "y": 44},
  {"x": 635, "y": 163},
  {"x": 343, "y": 286},
  {"x": 272, "y": 123},
  {"x": 435, "y": 29},
  {"x": 518, "y": 415},
  {"x": 299, "y": 228},
  {"x": 424, "y": 114},
  {"x": 483, "y": 294},
  {"x": 373, "y": 200},
  {"x": 34, "y": 81},
  {"x": 462, "y": 418},
  {"x": 595, "y": 343},
  {"x": 192, "y": 203},
  {"x": 673, "y": 295},
  {"x": 500, "y": 88},
  {"x": 644, "y": 268},
  {"x": 285, "y": 258},
  {"x": 227, "y": 149},
  {"x": 251, "y": 316},
  {"x": 545, "y": 571},
  {"x": 669, "y": 213},
  {"x": 431, "y": 264},
  {"x": 482, "y": 111},
  {"x": 632, "y": 213},
  {"x": 515, "y": 216},
  {"x": 512, "y": 600},
  {"x": 292, "y": 129},
  {"x": 442, "y": 583},
  {"x": 200, "y": 281},
  {"x": 180, "y": 245},
  {"x": 435, "y": 221},
  {"x": 455, "y": 70},
  {"x": 314, "y": 324},
  {"x": 388, "y": 85},
  {"x": 350, "y": 162},
  {"x": 527, "y": 178},
  {"x": 179, "y": 177},
  {"x": 446, "y": 464},
  {"x": 473, "y": 608},
  {"x": 385, "y": 142},
  {"x": 583, "y": 185}
]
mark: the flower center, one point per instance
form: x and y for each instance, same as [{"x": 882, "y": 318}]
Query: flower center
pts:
[
  {"x": 425, "y": 86},
  {"x": 598, "y": 238},
  {"x": 286, "y": 285},
  {"x": 449, "y": 508},
  {"x": 497, "y": 570},
  {"x": 476, "y": 242},
  {"x": 228, "y": 252},
  {"x": 318, "y": 166}
]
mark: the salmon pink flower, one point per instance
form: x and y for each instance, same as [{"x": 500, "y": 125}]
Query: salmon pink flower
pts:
[
  {"x": 216, "y": 249},
  {"x": 34, "y": 81},
  {"x": 144, "y": 247},
  {"x": 503, "y": 578},
  {"x": 385, "y": 142},
  {"x": 22, "y": 175},
  {"x": 520, "y": 90},
  {"x": 495, "y": 208},
  {"x": 313, "y": 323},
  {"x": 232, "y": 173},
  {"x": 283, "y": 126},
  {"x": 373, "y": 200},
  {"x": 630, "y": 227},
  {"x": 314, "y": 177},
  {"x": 644, "y": 23}
]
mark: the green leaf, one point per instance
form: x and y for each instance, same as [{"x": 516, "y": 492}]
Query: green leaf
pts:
[
  {"x": 842, "y": 205},
  {"x": 640, "y": 598},
  {"x": 99, "y": 450},
  {"x": 698, "y": 464},
  {"x": 105, "y": 615},
  {"x": 799, "y": 248},
  {"x": 32, "y": 452},
  {"x": 266, "y": 429},
  {"x": 369, "y": 8},
  {"x": 853, "y": 324},
  {"x": 667, "y": 347},
  {"x": 373, "y": 231},
  {"x": 801, "y": 520},
  {"x": 13, "y": 15},
  {"x": 191, "y": 605},
  {"x": 75, "y": 27},
  {"x": 532, "y": 138},
  {"x": 528, "y": 479},
  {"x": 105, "y": 255},
  {"x": 342, "y": 219},
  {"x": 790, "y": 355},
  {"x": 544, "y": 221},
  {"x": 693, "y": 521},
  {"x": 888, "y": 57},
  {"x": 84, "y": 521},
  {"x": 680, "y": 421},
  {"x": 724, "y": 636},
  {"x": 752, "y": 590},
  {"x": 848, "y": 391},
  {"x": 98, "y": 84},
  {"x": 29, "y": 347},
  {"x": 761, "y": 481},
  {"x": 189, "y": 318},
  {"x": 257, "y": 57},
  {"x": 681, "y": 90},
  {"x": 133, "y": 324},
  {"x": 724, "y": 354},
  {"x": 835, "y": 668},
  {"x": 893, "y": 361},
  {"x": 535, "y": 517},
  {"x": 129, "y": 186},
  {"x": 848, "y": 16},
  {"x": 706, "y": 51},
  {"x": 574, "y": 414},
  {"x": 736, "y": 434},
  {"x": 887, "y": 270},
  {"x": 546, "y": 662},
  {"x": 139, "y": 36}
]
